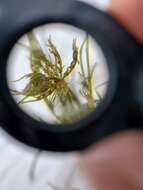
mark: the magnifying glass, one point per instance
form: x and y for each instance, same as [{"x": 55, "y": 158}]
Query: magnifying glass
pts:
[{"x": 70, "y": 75}]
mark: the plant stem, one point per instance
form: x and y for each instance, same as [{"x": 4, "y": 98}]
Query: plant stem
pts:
[
  {"x": 54, "y": 114},
  {"x": 81, "y": 58},
  {"x": 34, "y": 164},
  {"x": 88, "y": 65}
]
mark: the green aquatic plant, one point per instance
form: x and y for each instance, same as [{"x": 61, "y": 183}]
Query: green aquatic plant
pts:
[
  {"x": 86, "y": 79},
  {"x": 48, "y": 80}
]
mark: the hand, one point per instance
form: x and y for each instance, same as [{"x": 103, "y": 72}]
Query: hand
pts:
[{"x": 116, "y": 163}]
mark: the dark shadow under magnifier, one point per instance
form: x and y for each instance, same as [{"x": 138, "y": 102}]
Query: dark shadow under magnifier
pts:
[{"x": 66, "y": 73}]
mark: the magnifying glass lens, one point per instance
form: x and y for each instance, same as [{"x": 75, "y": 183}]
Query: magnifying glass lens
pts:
[{"x": 57, "y": 73}]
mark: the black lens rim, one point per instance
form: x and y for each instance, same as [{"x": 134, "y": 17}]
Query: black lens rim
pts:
[{"x": 20, "y": 125}]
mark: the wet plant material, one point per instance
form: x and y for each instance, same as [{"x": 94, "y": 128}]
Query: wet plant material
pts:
[{"x": 48, "y": 80}]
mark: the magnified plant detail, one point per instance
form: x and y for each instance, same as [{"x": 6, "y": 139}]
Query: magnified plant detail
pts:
[{"x": 50, "y": 80}]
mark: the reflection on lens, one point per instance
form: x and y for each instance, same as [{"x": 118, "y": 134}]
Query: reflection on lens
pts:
[{"x": 57, "y": 73}]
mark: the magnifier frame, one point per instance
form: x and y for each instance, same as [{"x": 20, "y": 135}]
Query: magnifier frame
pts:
[{"x": 18, "y": 18}]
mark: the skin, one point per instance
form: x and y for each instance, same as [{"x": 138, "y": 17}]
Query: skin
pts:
[
  {"x": 130, "y": 14},
  {"x": 116, "y": 163}
]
